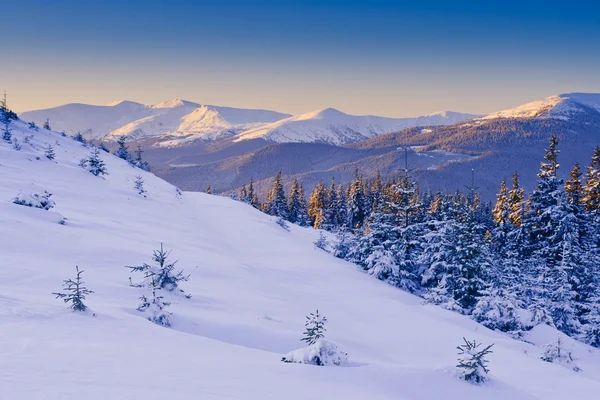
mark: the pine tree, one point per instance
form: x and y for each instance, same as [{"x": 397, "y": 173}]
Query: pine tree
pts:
[
  {"x": 208, "y": 190},
  {"x": 49, "y": 153},
  {"x": 75, "y": 292},
  {"x": 94, "y": 163},
  {"x": 356, "y": 202},
  {"x": 297, "y": 213},
  {"x": 502, "y": 209},
  {"x": 516, "y": 200},
  {"x": 276, "y": 203},
  {"x": 252, "y": 197},
  {"x": 315, "y": 328},
  {"x": 47, "y": 124},
  {"x": 472, "y": 362},
  {"x": 139, "y": 186},
  {"x": 316, "y": 206},
  {"x": 156, "y": 307},
  {"x": 79, "y": 138},
  {"x": 138, "y": 161},
  {"x": 591, "y": 196},
  {"x": 33, "y": 126},
  {"x": 243, "y": 196},
  {"x": 6, "y": 131},
  {"x": 122, "y": 151},
  {"x": 162, "y": 274}
]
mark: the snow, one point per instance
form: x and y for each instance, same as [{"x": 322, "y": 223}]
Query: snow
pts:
[
  {"x": 177, "y": 122},
  {"x": 335, "y": 127},
  {"x": 252, "y": 285},
  {"x": 558, "y": 106}
]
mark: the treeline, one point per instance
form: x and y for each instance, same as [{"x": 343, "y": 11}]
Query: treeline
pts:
[{"x": 530, "y": 259}]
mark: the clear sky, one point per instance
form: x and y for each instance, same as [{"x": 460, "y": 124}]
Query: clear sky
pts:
[{"x": 391, "y": 58}]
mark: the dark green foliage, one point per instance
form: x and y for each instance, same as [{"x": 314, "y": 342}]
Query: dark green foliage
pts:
[
  {"x": 75, "y": 292},
  {"x": 472, "y": 362},
  {"x": 315, "y": 328}
]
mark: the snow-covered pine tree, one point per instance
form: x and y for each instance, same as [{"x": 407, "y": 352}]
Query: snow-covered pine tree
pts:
[
  {"x": 591, "y": 196},
  {"x": 33, "y": 126},
  {"x": 162, "y": 274},
  {"x": 139, "y": 161},
  {"x": 75, "y": 292},
  {"x": 46, "y": 125},
  {"x": 297, "y": 213},
  {"x": 315, "y": 328},
  {"x": 252, "y": 197},
  {"x": 122, "y": 151},
  {"x": 139, "y": 186},
  {"x": 6, "y": 131},
  {"x": 94, "y": 163},
  {"x": 472, "y": 363},
  {"x": 317, "y": 204},
  {"x": 276, "y": 204},
  {"x": 49, "y": 153},
  {"x": 341, "y": 207},
  {"x": 156, "y": 307},
  {"x": 322, "y": 242},
  {"x": 243, "y": 196},
  {"x": 356, "y": 202},
  {"x": 516, "y": 200},
  {"x": 79, "y": 138}
]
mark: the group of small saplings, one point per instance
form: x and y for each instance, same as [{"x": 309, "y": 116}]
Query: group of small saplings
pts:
[{"x": 473, "y": 365}]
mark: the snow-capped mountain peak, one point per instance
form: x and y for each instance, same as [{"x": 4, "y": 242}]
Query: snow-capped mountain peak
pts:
[
  {"x": 562, "y": 106},
  {"x": 174, "y": 103}
]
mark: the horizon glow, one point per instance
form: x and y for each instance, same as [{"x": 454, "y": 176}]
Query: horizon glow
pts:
[{"x": 389, "y": 58}]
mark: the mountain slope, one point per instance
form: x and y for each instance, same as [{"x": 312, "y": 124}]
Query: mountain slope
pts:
[
  {"x": 252, "y": 284},
  {"x": 335, "y": 127}
]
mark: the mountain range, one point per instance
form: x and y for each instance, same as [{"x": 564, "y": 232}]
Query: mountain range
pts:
[
  {"x": 443, "y": 148},
  {"x": 178, "y": 122}
]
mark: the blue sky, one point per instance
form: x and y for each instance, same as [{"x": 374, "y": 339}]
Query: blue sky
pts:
[{"x": 378, "y": 57}]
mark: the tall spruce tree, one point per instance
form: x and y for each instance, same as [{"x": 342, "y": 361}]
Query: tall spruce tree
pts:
[
  {"x": 276, "y": 204},
  {"x": 356, "y": 202},
  {"x": 297, "y": 213},
  {"x": 317, "y": 204}
]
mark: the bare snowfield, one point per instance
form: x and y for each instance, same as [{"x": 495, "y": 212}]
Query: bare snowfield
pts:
[{"x": 252, "y": 284}]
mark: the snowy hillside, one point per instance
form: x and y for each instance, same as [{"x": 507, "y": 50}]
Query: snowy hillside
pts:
[
  {"x": 562, "y": 106},
  {"x": 252, "y": 284},
  {"x": 177, "y": 122},
  {"x": 335, "y": 127},
  {"x": 180, "y": 118}
]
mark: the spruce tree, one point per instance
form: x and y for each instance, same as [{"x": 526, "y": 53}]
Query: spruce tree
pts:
[
  {"x": 591, "y": 196},
  {"x": 276, "y": 204},
  {"x": 6, "y": 131},
  {"x": 356, "y": 202},
  {"x": 162, "y": 274},
  {"x": 516, "y": 199},
  {"x": 297, "y": 213},
  {"x": 156, "y": 307},
  {"x": 79, "y": 138},
  {"x": 49, "y": 153},
  {"x": 139, "y": 186},
  {"x": 75, "y": 292},
  {"x": 122, "y": 151},
  {"x": 317, "y": 204},
  {"x": 472, "y": 363},
  {"x": 94, "y": 163},
  {"x": 252, "y": 197},
  {"x": 47, "y": 124},
  {"x": 138, "y": 161},
  {"x": 315, "y": 328}
]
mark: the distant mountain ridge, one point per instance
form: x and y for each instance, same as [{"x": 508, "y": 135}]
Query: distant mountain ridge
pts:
[{"x": 177, "y": 122}]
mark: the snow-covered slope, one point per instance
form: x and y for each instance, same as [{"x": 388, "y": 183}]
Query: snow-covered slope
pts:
[
  {"x": 252, "y": 284},
  {"x": 564, "y": 106},
  {"x": 335, "y": 127},
  {"x": 177, "y": 120}
]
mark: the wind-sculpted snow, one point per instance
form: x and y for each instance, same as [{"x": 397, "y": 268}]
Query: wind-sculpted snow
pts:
[{"x": 252, "y": 285}]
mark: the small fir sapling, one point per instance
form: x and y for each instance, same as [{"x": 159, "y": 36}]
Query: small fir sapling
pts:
[
  {"x": 122, "y": 151},
  {"x": 556, "y": 353},
  {"x": 283, "y": 223},
  {"x": 79, "y": 138},
  {"x": 16, "y": 145},
  {"x": 46, "y": 125},
  {"x": 75, "y": 292},
  {"x": 162, "y": 274},
  {"x": 178, "y": 193},
  {"x": 49, "y": 153},
  {"x": 94, "y": 163},
  {"x": 156, "y": 307},
  {"x": 315, "y": 328},
  {"x": 139, "y": 186},
  {"x": 472, "y": 364},
  {"x": 6, "y": 131},
  {"x": 35, "y": 200},
  {"x": 322, "y": 243},
  {"x": 33, "y": 126}
]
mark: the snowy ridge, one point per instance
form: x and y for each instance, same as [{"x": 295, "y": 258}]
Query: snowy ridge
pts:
[
  {"x": 177, "y": 121},
  {"x": 563, "y": 106},
  {"x": 252, "y": 283},
  {"x": 335, "y": 127}
]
